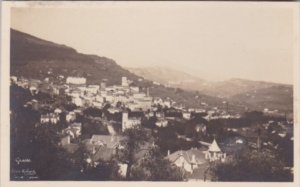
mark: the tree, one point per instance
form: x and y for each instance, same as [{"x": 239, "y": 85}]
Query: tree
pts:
[
  {"x": 254, "y": 165},
  {"x": 135, "y": 138},
  {"x": 154, "y": 167}
]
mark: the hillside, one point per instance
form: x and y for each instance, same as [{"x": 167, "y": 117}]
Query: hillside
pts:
[
  {"x": 235, "y": 86},
  {"x": 276, "y": 97},
  {"x": 32, "y": 57},
  {"x": 241, "y": 93},
  {"x": 167, "y": 76},
  {"x": 36, "y": 58}
]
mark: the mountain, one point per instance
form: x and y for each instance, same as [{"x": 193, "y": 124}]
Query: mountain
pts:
[
  {"x": 275, "y": 97},
  {"x": 242, "y": 93},
  {"x": 169, "y": 77},
  {"x": 36, "y": 58},
  {"x": 180, "y": 79},
  {"x": 235, "y": 86}
]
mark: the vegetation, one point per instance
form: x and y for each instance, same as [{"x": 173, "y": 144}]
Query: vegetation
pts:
[{"x": 252, "y": 165}]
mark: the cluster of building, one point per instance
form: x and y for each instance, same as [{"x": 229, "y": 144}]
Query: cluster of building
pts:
[{"x": 127, "y": 99}]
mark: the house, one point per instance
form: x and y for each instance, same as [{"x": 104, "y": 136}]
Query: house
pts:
[
  {"x": 78, "y": 101},
  {"x": 201, "y": 128},
  {"x": 103, "y": 147},
  {"x": 51, "y": 118},
  {"x": 93, "y": 89},
  {"x": 134, "y": 89},
  {"x": 57, "y": 111},
  {"x": 13, "y": 79},
  {"x": 162, "y": 123},
  {"x": 76, "y": 80},
  {"x": 129, "y": 122},
  {"x": 186, "y": 115},
  {"x": 74, "y": 130},
  {"x": 125, "y": 82},
  {"x": 188, "y": 160},
  {"x": 214, "y": 152},
  {"x": 33, "y": 89},
  {"x": 71, "y": 116},
  {"x": 75, "y": 92}
]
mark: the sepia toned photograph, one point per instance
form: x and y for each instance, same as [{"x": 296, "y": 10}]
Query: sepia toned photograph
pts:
[{"x": 152, "y": 91}]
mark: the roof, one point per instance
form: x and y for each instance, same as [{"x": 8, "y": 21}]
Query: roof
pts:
[
  {"x": 103, "y": 153},
  {"x": 214, "y": 147},
  {"x": 188, "y": 156}
]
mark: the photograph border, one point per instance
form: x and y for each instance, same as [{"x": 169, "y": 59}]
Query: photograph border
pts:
[{"x": 5, "y": 99}]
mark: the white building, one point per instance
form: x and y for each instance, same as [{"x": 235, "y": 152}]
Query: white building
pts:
[
  {"x": 134, "y": 89},
  {"x": 49, "y": 118},
  {"x": 124, "y": 81},
  {"x": 71, "y": 116},
  {"x": 129, "y": 122},
  {"x": 93, "y": 89},
  {"x": 76, "y": 80},
  {"x": 214, "y": 152},
  {"x": 186, "y": 115},
  {"x": 78, "y": 101},
  {"x": 162, "y": 123}
]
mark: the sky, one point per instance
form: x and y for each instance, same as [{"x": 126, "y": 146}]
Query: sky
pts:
[{"x": 212, "y": 41}]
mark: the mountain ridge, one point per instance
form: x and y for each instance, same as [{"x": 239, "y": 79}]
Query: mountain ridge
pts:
[
  {"x": 36, "y": 58},
  {"x": 40, "y": 59}
]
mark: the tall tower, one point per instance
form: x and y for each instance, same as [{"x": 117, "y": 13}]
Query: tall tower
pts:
[
  {"x": 103, "y": 85},
  {"x": 124, "y": 81},
  {"x": 124, "y": 120}
]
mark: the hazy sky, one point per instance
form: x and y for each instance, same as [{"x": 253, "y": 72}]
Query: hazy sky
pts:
[{"x": 209, "y": 40}]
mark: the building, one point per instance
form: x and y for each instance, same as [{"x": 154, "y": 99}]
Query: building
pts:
[
  {"x": 103, "y": 85},
  {"x": 57, "y": 111},
  {"x": 71, "y": 116},
  {"x": 162, "y": 123},
  {"x": 50, "y": 118},
  {"x": 93, "y": 89},
  {"x": 76, "y": 80},
  {"x": 188, "y": 160},
  {"x": 129, "y": 122},
  {"x": 13, "y": 79},
  {"x": 124, "y": 82},
  {"x": 214, "y": 152},
  {"x": 186, "y": 115},
  {"x": 78, "y": 101},
  {"x": 73, "y": 131}
]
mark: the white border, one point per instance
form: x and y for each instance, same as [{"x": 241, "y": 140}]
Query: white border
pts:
[{"x": 5, "y": 39}]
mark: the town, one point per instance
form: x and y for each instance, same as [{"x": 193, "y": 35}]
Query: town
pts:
[{"x": 96, "y": 120}]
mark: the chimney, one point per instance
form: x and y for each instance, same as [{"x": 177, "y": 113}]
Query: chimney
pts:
[{"x": 168, "y": 152}]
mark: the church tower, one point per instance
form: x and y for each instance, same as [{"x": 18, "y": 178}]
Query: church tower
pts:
[{"x": 124, "y": 120}]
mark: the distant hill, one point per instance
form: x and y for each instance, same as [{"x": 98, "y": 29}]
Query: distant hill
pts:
[
  {"x": 276, "y": 97},
  {"x": 32, "y": 57},
  {"x": 241, "y": 93},
  {"x": 235, "y": 86},
  {"x": 36, "y": 58}
]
